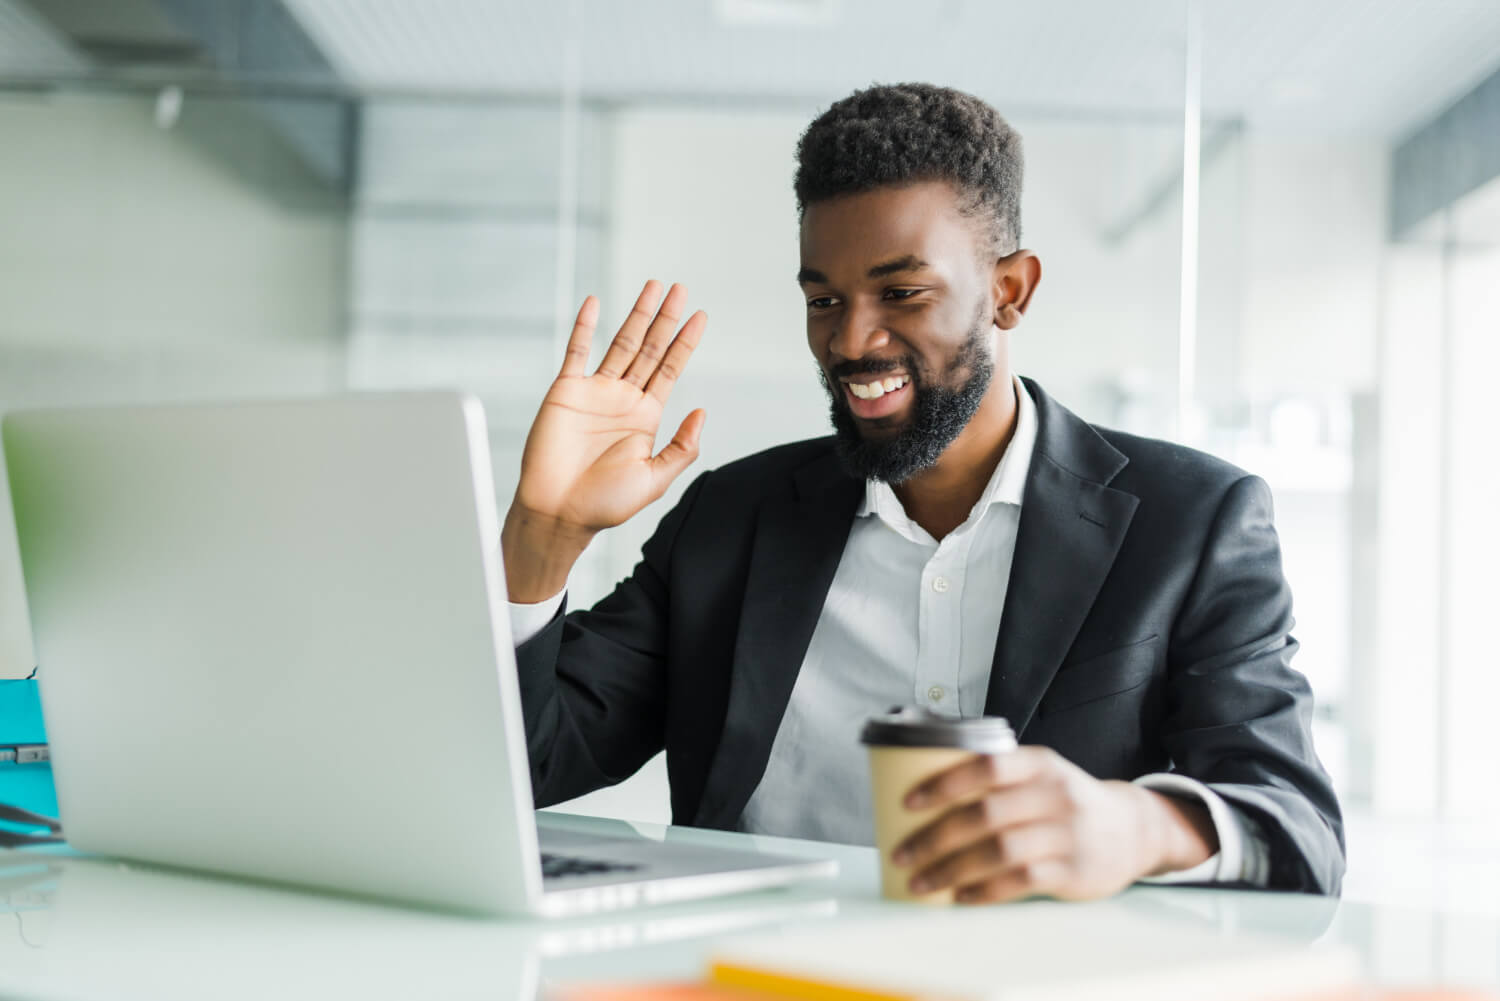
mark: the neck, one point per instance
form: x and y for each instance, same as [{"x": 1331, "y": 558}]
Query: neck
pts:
[{"x": 940, "y": 498}]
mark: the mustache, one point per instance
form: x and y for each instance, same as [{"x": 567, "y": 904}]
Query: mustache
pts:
[{"x": 872, "y": 366}]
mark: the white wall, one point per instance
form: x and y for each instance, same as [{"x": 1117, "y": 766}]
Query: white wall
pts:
[
  {"x": 135, "y": 267},
  {"x": 1435, "y": 680},
  {"x": 120, "y": 234},
  {"x": 1314, "y": 238},
  {"x": 1292, "y": 232},
  {"x": 1471, "y": 752},
  {"x": 455, "y": 257},
  {"x": 1105, "y": 314},
  {"x": 1404, "y": 706}
]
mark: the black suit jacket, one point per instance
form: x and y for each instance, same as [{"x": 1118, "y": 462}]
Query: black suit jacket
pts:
[{"x": 1146, "y": 628}]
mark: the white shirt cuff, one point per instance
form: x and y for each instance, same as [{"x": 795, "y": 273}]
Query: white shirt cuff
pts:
[
  {"x": 528, "y": 620},
  {"x": 1242, "y": 856}
]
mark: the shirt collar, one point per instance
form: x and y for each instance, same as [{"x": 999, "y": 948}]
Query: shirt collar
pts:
[{"x": 1007, "y": 483}]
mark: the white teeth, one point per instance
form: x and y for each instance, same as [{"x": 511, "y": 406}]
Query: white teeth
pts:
[{"x": 875, "y": 390}]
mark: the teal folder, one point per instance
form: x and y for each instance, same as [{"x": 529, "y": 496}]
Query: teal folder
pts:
[{"x": 27, "y": 786}]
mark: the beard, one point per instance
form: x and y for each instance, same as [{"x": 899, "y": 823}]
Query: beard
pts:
[{"x": 941, "y": 409}]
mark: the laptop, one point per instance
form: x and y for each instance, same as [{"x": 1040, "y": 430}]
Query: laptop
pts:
[{"x": 273, "y": 642}]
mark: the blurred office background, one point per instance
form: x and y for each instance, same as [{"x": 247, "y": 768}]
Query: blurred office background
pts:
[{"x": 1270, "y": 230}]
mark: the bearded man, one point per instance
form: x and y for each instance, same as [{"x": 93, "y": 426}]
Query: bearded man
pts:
[{"x": 962, "y": 542}]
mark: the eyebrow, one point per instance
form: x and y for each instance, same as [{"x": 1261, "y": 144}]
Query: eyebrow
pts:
[{"x": 911, "y": 262}]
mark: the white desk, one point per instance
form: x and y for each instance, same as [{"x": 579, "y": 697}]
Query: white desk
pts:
[{"x": 86, "y": 928}]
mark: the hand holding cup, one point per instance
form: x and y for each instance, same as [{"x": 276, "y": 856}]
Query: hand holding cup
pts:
[{"x": 1029, "y": 823}]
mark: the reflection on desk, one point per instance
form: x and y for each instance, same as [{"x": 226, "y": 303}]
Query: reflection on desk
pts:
[{"x": 84, "y": 928}]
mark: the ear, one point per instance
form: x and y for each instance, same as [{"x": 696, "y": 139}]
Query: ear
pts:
[{"x": 1016, "y": 277}]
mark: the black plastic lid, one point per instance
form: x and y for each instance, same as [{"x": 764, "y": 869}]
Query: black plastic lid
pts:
[{"x": 912, "y": 726}]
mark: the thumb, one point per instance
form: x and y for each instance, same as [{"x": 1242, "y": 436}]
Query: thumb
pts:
[{"x": 680, "y": 452}]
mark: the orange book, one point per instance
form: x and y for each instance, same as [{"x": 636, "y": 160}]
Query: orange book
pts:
[
  {"x": 1040, "y": 951},
  {"x": 652, "y": 992}
]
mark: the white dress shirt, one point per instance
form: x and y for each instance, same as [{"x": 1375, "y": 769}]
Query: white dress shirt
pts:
[{"x": 910, "y": 620}]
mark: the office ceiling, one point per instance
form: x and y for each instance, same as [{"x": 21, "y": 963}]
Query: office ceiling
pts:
[
  {"x": 1351, "y": 66},
  {"x": 30, "y": 47},
  {"x": 1364, "y": 67}
]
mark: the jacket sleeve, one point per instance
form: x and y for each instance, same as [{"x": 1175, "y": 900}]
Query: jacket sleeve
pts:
[
  {"x": 1239, "y": 716},
  {"x": 593, "y": 682}
]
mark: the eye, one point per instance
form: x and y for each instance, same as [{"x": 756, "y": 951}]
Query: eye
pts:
[
  {"x": 822, "y": 302},
  {"x": 901, "y": 293}
]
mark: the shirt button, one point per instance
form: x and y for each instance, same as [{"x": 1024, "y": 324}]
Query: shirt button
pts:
[
  {"x": 936, "y": 693},
  {"x": 940, "y": 585}
]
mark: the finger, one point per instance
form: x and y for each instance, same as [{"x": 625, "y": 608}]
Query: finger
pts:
[
  {"x": 628, "y": 341},
  {"x": 996, "y": 811},
  {"x": 658, "y": 336},
  {"x": 677, "y": 356},
  {"x": 976, "y": 774},
  {"x": 680, "y": 452},
  {"x": 1044, "y": 878},
  {"x": 993, "y": 854},
  {"x": 580, "y": 341}
]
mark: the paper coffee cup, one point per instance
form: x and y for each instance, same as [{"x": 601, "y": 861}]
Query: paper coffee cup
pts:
[{"x": 906, "y": 747}]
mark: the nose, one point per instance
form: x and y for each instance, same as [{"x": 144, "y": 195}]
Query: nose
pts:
[{"x": 858, "y": 334}]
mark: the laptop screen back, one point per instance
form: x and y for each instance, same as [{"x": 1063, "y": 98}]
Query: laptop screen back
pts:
[{"x": 269, "y": 643}]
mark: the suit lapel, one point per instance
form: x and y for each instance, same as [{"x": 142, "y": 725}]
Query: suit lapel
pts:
[
  {"x": 798, "y": 543},
  {"x": 1072, "y": 525}
]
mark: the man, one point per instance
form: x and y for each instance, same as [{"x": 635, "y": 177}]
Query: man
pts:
[{"x": 961, "y": 542}]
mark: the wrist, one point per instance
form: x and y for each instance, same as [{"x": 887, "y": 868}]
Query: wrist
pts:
[
  {"x": 1181, "y": 833},
  {"x": 539, "y": 553}
]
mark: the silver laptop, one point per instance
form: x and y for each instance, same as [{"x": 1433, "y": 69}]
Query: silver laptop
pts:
[{"x": 274, "y": 642}]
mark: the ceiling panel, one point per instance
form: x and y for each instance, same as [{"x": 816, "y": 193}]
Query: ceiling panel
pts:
[
  {"x": 1377, "y": 67},
  {"x": 1374, "y": 67},
  {"x": 30, "y": 47},
  {"x": 686, "y": 48},
  {"x": 1367, "y": 67}
]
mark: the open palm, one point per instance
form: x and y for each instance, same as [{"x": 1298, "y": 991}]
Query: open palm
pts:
[{"x": 588, "y": 462}]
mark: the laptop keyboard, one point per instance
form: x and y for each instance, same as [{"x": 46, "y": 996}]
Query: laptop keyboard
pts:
[{"x": 556, "y": 866}]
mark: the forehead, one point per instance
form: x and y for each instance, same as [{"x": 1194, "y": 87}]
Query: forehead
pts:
[{"x": 853, "y": 232}]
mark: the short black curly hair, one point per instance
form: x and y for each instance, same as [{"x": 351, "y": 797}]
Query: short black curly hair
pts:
[{"x": 909, "y": 132}]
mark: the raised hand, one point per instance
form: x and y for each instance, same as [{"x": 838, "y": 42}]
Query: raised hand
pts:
[{"x": 588, "y": 463}]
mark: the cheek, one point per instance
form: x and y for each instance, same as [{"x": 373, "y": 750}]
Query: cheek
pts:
[
  {"x": 954, "y": 318},
  {"x": 949, "y": 326},
  {"x": 819, "y": 330},
  {"x": 932, "y": 332}
]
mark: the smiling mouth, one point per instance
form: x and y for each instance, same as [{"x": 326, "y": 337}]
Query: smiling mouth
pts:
[
  {"x": 872, "y": 397},
  {"x": 876, "y": 388}
]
